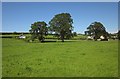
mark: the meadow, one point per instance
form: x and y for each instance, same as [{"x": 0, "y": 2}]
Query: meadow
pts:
[{"x": 72, "y": 58}]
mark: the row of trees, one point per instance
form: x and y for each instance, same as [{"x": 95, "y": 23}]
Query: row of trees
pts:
[{"x": 61, "y": 24}]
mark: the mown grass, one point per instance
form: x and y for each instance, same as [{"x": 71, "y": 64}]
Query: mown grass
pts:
[{"x": 57, "y": 59}]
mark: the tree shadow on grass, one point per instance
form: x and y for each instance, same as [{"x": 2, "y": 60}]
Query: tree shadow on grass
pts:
[
  {"x": 48, "y": 41},
  {"x": 54, "y": 41},
  {"x": 59, "y": 41}
]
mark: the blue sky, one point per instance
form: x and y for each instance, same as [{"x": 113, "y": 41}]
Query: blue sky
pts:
[{"x": 18, "y": 16}]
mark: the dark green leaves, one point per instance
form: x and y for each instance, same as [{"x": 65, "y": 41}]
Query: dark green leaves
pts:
[
  {"x": 97, "y": 29},
  {"x": 38, "y": 29},
  {"x": 61, "y": 24}
]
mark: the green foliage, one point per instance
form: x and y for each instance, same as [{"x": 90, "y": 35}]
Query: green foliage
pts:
[
  {"x": 57, "y": 59},
  {"x": 97, "y": 29},
  {"x": 38, "y": 30},
  {"x": 74, "y": 34},
  {"x": 14, "y": 33},
  {"x": 61, "y": 24}
]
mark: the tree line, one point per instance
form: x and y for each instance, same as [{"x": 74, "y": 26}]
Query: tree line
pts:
[{"x": 62, "y": 26}]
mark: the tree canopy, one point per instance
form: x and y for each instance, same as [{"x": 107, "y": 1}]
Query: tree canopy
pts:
[
  {"x": 97, "y": 29},
  {"x": 61, "y": 24},
  {"x": 38, "y": 30}
]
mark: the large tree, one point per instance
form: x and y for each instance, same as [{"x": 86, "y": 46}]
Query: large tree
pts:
[
  {"x": 38, "y": 30},
  {"x": 97, "y": 29},
  {"x": 61, "y": 24}
]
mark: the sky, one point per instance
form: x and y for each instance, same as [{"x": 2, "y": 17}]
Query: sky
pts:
[{"x": 18, "y": 16}]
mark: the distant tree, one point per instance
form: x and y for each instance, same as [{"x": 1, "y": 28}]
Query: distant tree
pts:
[
  {"x": 61, "y": 24},
  {"x": 74, "y": 34},
  {"x": 97, "y": 29},
  {"x": 38, "y": 30},
  {"x": 15, "y": 33}
]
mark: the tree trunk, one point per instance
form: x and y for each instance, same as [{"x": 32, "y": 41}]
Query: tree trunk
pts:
[
  {"x": 95, "y": 39},
  {"x": 41, "y": 38},
  {"x": 62, "y": 37},
  {"x": 96, "y": 36},
  {"x": 62, "y": 40}
]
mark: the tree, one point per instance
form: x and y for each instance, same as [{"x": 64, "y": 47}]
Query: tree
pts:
[
  {"x": 61, "y": 24},
  {"x": 97, "y": 29},
  {"x": 38, "y": 30},
  {"x": 74, "y": 33},
  {"x": 15, "y": 33}
]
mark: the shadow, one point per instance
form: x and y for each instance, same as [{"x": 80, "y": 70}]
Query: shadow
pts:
[
  {"x": 47, "y": 41},
  {"x": 60, "y": 41},
  {"x": 54, "y": 41},
  {"x": 72, "y": 41}
]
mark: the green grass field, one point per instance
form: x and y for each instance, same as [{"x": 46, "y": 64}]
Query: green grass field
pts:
[{"x": 80, "y": 58}]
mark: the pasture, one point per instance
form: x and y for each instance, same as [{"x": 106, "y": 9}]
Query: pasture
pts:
[{"x": 72, "y": 58}]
